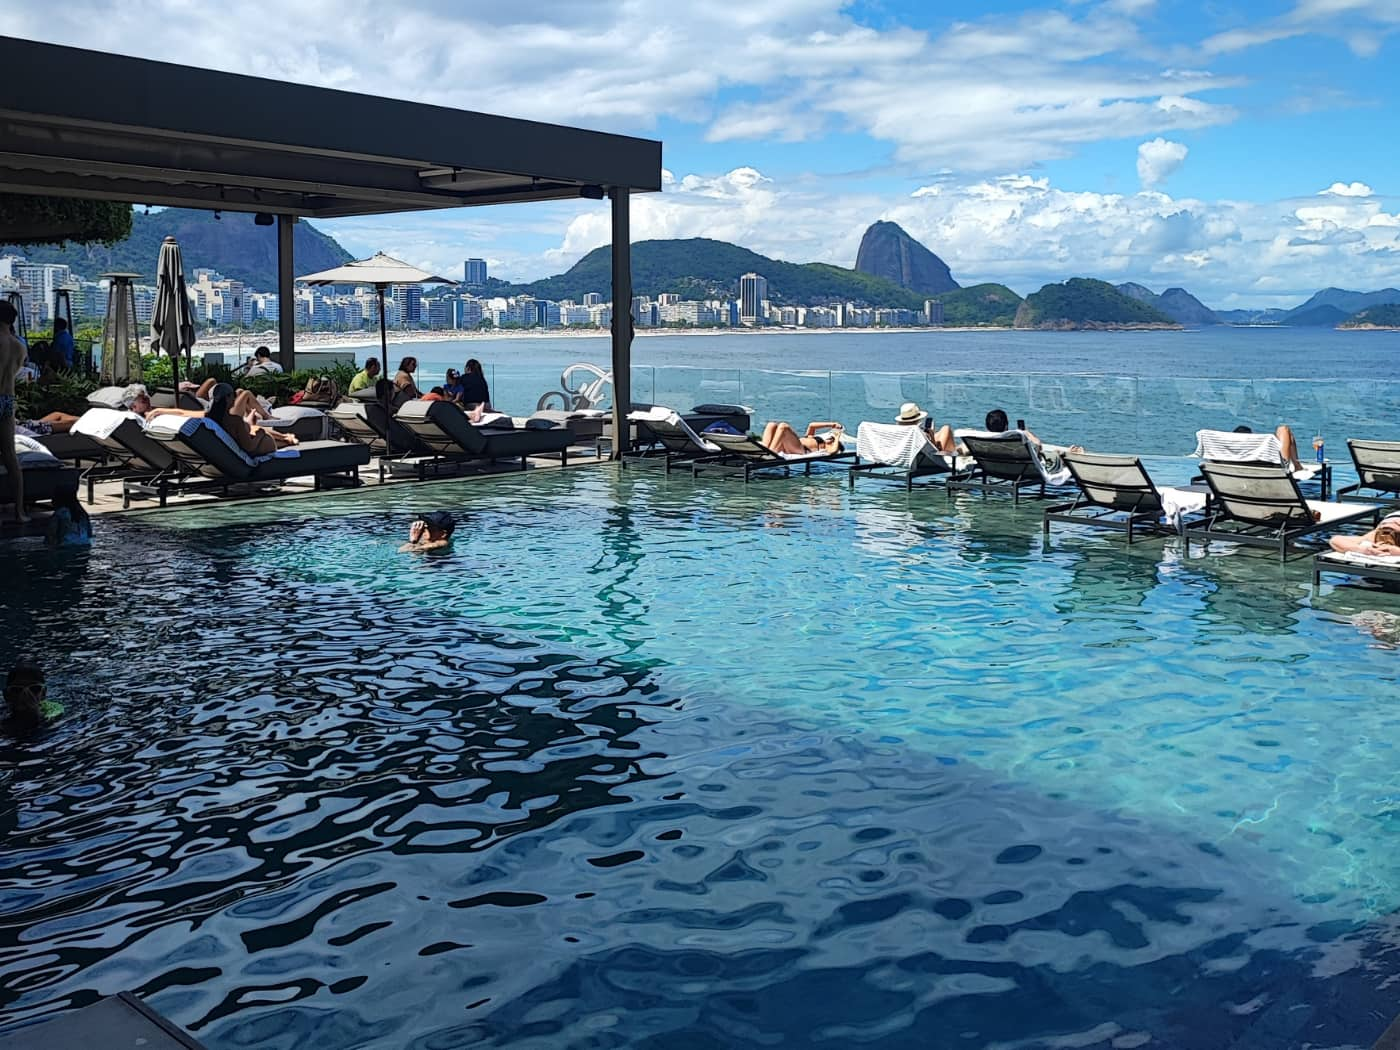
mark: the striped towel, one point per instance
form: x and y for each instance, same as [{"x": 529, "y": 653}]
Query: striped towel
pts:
[
  {"x": 1222, "y": 446},
  {"x": 892, "y": 444}
]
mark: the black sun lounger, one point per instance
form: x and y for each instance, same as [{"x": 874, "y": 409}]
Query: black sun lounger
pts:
[
  {"x": 741, "y": 455},
  {"x": 451, "y": 438},
  {"x": 1378, "y": 467},
  {"x": 896, "y": 452},
  {"x": 1261, "y": 505},
  {"x": 367, "y": 423},
  {"x": 204, "y": 448},
  {"x": 1005, "y": 461},
  {"x": 663, "y": 436},
  {"x": 1116, "y": 492}
]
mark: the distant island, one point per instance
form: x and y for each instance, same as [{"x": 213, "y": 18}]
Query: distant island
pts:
[
  {"x": 1384, "y": 317},
  {"x": 1083, "y": 303}
]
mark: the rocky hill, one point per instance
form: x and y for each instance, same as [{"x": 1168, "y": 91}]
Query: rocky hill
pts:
[
  {"x": 233, "y": 245},
  {"x": 1177, "y": 303},
  {"x": 888, "y": 251},
  {"x": 1384, "y": 316},
  {"x": 1084, "y": 303},
  {"x": 700, "y": 268},
  {"x": 1324, "y": 316}
]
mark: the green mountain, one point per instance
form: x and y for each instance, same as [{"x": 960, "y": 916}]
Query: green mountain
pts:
[
  {"x": 1082, "y": 302},
  {"x": 1384, "y": 316},
  {"x": 1344, "y": 301},
  {"x": 233, "y": 245},
  {"x": 888, "y": 251},
  {"x": 982, "y": 305},
  {"x": 1272, "y": 315},
  {"x": 700, "y": 268}
]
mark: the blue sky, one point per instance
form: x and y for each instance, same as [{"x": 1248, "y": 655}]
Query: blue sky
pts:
[{"x": 1244, "y": 151}]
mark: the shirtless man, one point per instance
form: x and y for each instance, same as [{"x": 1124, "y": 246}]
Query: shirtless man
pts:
[{"x": 12, "y": 357}]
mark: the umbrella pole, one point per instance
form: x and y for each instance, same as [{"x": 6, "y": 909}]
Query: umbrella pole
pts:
[{"x": 384, "y": 374}]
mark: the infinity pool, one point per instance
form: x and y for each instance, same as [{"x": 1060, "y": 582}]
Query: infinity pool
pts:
[{"x": 652, "y": 762}]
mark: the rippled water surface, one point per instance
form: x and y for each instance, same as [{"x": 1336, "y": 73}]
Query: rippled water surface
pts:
[{"x": 653, "y": 762}]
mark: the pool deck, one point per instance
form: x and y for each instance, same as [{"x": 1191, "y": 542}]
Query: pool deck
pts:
[{"x": 108, "y": 497}]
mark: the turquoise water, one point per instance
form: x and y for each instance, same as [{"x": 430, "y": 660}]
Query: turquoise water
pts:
[{"x": 646, "y": 761}]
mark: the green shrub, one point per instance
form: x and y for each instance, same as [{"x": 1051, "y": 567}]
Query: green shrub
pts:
[{"x": 65, "y": 392}]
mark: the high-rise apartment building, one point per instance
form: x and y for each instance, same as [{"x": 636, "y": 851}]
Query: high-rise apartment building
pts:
[
  {"x": 409, "y": 299},
  {"x": 475, "y": 271},
  {"x": 592, "y": 299},
  {"x": 753, "y": 290}
]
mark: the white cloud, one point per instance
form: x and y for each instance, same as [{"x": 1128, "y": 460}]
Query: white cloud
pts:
[
  {"x": 1346, "y": 189},
  {"x": 1158, "y": 159},
  {"x": 1363, "y": 25}
]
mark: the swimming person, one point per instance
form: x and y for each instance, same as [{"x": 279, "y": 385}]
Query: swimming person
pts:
[
  {"x": 12, "y": 355},
  {"x": 26, "y": 698},
  {"x": 70, "y": 525},
  {"x": 1381, "y": 542},
  {"x": 781, "y": 438},
  {"x": 430, "y": 532}
]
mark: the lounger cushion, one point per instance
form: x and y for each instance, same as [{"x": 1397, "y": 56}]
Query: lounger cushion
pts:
[
  {"x": 445, "y": 429},
  {"x": 106, "y": 397},
  {"x": 32, "y": 455}
]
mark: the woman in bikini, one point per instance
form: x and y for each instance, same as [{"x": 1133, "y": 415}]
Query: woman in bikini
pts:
[
  {"x": 781, "y": 438},
  {"x": 1381, "y": 542},
  {"x": 234, "y": 410}
]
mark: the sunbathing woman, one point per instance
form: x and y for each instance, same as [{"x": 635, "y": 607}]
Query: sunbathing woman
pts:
[
  {"x": 1381, "y": 542},
  {"x": 235, "y": 411},
  {"x": 781, "y": 438}
]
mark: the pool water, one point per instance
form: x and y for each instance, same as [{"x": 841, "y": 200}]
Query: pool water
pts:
[{"x": 649, "y": 761}]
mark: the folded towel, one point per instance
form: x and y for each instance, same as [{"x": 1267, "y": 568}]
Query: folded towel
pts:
[
  {"x": 1222, "y": 446},
  {"x": 895, "y": 445},
  {"x": 102, "y": 423},
  {"x": 1181, "y": 500}
]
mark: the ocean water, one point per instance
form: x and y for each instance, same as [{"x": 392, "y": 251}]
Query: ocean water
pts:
[
  {"x": 655, "y": 762},
  {"x": 1132, "y": 392}
]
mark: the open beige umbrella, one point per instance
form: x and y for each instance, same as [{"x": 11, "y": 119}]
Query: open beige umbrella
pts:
[
  {"x": 382, "y": 271},
  {"x": 172, "y": 321}
]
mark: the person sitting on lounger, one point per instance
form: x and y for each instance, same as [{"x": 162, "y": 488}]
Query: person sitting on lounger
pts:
[
  {"x": 1287, "y": 444},
  {"x": 1381, "y": 542},
  {"x": 430, "y": 532},
  {"x": 941, "y": 438},
  {"x": 237, "y": 412},
  {"x": 782, "y": 439},
  {"x": 997, "y": 423}
]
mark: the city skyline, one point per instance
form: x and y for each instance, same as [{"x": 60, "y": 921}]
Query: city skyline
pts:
[{"x": 1238, "y": 152}]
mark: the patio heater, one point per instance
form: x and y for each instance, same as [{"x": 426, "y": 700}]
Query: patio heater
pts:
[
  {"x": 16, "y": 299},
  {"x": 121, "y": 346}
]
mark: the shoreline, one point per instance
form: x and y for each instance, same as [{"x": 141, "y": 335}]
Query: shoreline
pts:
[{"x": 347, "y": 340}]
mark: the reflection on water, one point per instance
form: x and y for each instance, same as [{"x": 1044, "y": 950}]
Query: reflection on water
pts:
[{"x": 891, "y": 770}]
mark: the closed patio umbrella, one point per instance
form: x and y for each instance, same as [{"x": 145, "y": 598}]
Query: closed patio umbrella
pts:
[
  {"x": 382, "y": 271},
  {"x": 172, "y": 321}
]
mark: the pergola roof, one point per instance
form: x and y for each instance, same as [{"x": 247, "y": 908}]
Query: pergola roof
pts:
[{"x": 78, "y": 123}]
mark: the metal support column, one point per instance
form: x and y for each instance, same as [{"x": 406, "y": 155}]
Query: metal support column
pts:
[
  {"x": 286, "y": 294},
  {"x": 621, "y": 318}
]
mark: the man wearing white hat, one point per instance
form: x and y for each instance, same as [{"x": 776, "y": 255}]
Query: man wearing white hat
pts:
[{"x": 911, "y": 415}]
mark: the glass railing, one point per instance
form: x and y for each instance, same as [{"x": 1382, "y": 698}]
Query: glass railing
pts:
[{"x": 1140, "y": 414}]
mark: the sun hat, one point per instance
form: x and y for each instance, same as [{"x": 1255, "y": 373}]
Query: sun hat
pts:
[{"x": 910, "y": 413}]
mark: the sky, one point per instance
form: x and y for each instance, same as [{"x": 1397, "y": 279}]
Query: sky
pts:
[{"x": 1245, "y": 151}]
